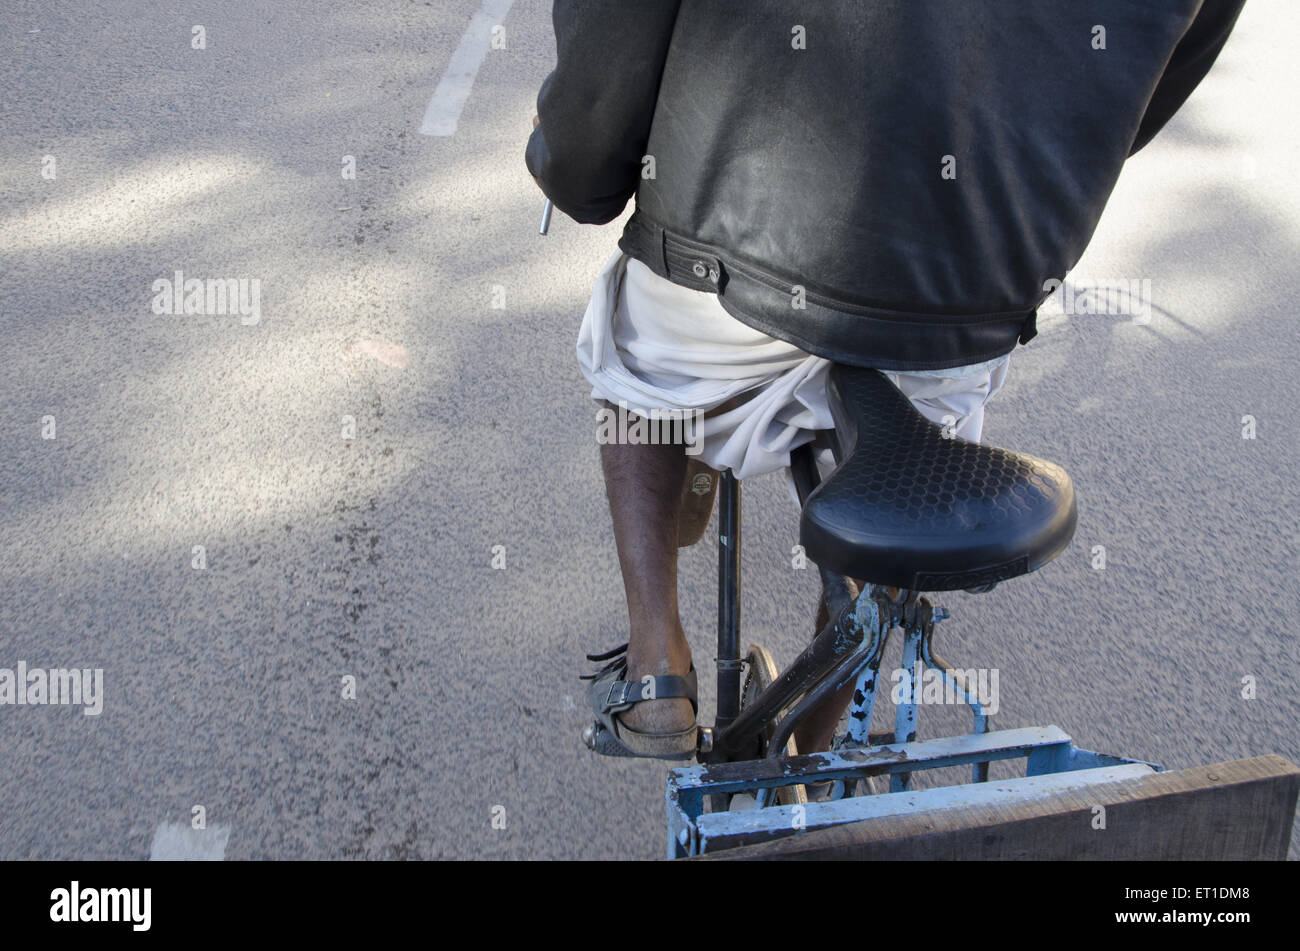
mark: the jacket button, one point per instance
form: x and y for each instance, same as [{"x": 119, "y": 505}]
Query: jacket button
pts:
[{"x": 700, "y": 269}]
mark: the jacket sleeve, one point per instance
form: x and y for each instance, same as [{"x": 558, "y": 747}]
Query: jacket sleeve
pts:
[
  {"x": 1191, "y": 60},
  {"x": 596, "y": 107}
]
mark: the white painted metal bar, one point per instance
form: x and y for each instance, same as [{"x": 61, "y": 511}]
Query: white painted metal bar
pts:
[
  {"x": 715, "y": 830},
  {"x": 949, "y": 751}
]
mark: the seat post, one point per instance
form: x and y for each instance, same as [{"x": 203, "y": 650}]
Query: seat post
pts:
[{"x": 728, "y": 659}]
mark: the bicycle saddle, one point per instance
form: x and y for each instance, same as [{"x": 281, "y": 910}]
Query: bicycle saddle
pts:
[{"x": 910, "y": 508}]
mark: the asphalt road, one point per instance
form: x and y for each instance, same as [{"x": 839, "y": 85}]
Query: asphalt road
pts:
[{"x": 208, "y": 527}]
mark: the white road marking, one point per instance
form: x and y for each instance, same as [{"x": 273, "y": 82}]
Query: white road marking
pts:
[
  {"x": 179, "y": 842},
  {"x": 453, "y": 90}
]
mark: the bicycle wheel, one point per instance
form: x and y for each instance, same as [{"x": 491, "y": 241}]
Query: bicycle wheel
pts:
[
  {"x": 761, "y": 674},
  {"x": 761, "y": 671}
]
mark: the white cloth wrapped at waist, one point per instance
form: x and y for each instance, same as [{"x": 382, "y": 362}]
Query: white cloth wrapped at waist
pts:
[{"x": 649, "y": 344}]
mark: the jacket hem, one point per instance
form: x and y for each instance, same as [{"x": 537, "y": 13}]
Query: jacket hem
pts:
[{"x": 841, "y": 331}]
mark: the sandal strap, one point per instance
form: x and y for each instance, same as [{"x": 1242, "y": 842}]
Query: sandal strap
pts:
[
  {"x": 625, "y": 693},
  {"x": 608, "y": 654}
]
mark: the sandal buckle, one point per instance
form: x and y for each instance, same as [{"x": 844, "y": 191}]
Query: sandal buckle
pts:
[{"x": 623, "y": 689}]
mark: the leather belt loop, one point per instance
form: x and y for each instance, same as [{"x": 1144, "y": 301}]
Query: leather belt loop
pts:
[{"x": 691, "y": 266}]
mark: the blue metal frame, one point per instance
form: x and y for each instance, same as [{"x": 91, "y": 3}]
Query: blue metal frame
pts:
[
  {"x": 1047, "y": 751},
  {"x": 918, "y": 654},
  {"x": 848, "y": 649}
]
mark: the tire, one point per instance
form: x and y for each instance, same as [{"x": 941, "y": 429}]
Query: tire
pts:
[{"x": 762, "y": 672}]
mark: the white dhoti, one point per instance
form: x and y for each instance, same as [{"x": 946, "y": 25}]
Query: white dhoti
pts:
[{"x": 652, "y": 345}]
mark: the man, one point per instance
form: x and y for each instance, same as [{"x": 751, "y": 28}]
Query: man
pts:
[{"x": 885, "y": 183}]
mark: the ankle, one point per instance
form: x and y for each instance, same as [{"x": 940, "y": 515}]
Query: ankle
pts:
[{"x": 658, "y": 654}]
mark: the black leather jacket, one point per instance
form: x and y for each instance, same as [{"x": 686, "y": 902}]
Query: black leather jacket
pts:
[{"x": 886, "y": 183}]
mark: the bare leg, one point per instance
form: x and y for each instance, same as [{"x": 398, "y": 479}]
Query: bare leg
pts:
[
  {"x": 655, "y": 511},
  {"x": 644, "y": 486},
  {"x": 699, "y": 489}
]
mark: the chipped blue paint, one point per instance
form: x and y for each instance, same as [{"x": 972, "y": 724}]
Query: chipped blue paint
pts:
[{"x": 1048, "y": 752}]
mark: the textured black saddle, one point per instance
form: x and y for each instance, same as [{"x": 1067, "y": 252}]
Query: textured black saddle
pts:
[{"x": 911, "y": 508}]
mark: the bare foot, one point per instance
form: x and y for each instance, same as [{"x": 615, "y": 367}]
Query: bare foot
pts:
[{"x": 670, "y": 715}]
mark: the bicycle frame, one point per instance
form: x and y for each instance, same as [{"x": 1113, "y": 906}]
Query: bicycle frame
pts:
[
  {"x": 835, "y": 655},
  {"x": 738, "y": 756},
  {"x": 849, "y": 647}
]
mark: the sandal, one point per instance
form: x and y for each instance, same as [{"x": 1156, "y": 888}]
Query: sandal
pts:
[{"x": 610, "y": 695}]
